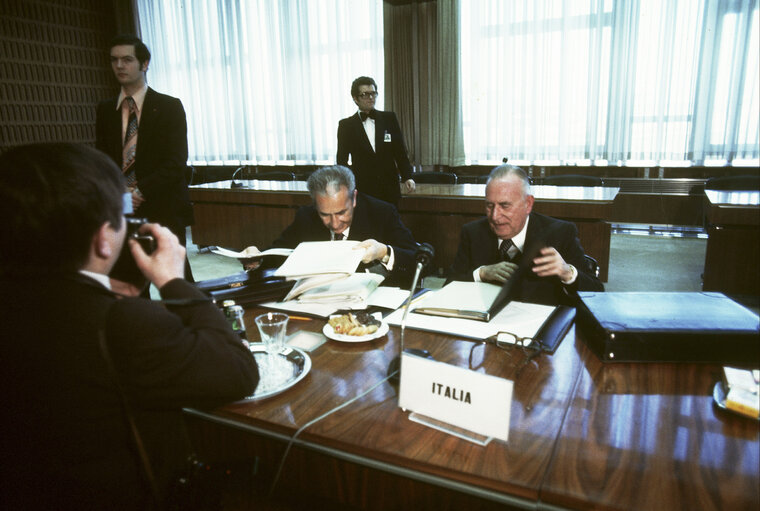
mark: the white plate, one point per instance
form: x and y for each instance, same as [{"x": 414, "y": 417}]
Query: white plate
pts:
[{"x": 330, "y": 333}]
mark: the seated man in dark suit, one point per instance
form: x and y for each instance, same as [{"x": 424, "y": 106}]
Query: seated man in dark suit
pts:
[
  {"x": 339, "y": 211},
  {"x": 494, "y": 249},
  {"x": 72, "y": 347}
]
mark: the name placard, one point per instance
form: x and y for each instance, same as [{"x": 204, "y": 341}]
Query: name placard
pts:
[{"x": 473, "y": 401}]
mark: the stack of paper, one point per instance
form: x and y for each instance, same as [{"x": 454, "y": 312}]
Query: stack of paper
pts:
[
  {"x": 354, "y": 289},
  {"x": 315, "y": 264},
  {"x": 742, "y": 391},
  {"x": 320, "y": 258},
  {"x": 518, "y": 318}
]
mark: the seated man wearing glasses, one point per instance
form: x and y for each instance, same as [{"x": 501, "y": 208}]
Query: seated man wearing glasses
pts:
[
  {"x": 373, "y": 139},
  {"x": 337, "y": 212},
  {"x": 495, "y": 248}
]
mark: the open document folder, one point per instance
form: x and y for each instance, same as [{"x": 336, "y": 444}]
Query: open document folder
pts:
[
  {"x": 321, "y": 257},
  {"x": 354, "y": 288},
  {"x": 518, "y": 318}
]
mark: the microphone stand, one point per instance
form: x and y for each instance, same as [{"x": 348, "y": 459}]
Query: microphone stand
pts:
[
  {"x": 395, "y": 365},
  {"x": 233, "y": 184}
]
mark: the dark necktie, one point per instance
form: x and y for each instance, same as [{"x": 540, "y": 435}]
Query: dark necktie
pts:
[
  {"x": 130, "y": 142},
  {"x": 504, "y": 250},
  {"x": 364, "y": 116},
  {"x": 338, "y": 237}
]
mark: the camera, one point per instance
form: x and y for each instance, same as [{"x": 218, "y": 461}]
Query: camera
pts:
[
  {"x": 146, "y": 241},
  {"x": 126, "y": 269}
]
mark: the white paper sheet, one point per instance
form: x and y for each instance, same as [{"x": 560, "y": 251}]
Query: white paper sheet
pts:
[
  {"x": 252, "y": 252},
  {"x": 319, "y": 257},
  {"x": 519, "y": 318}
]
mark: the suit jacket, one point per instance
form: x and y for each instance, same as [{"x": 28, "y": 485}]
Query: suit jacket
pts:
[
  {"x": 478, "y": 246},
  {"x": 377, "y": 172},
  {"x": 65, "y": 437},
  {"x": 374, "y": 219},
  {"x": 160, "y": 159}
]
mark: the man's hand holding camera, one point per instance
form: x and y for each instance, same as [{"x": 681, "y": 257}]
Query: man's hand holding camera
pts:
[{"x": 166, "y": 262}]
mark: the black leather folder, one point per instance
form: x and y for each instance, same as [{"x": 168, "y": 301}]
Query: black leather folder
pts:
[
  {"x": 669, "y": 327},
  {"x": 247, "y": 287},
  {"x": 555, "y": 328}
]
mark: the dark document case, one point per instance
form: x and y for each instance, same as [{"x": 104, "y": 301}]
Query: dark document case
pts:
[{"x": 669, "y": 327}]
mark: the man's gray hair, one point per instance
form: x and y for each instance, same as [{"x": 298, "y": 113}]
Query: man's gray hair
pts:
[
  {"x": 506, "y": 170},
  {"x": 329, "y": 180}
]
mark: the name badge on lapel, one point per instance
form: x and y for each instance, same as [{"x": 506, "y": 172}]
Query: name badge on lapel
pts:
[{"x": 387, "y": 137}]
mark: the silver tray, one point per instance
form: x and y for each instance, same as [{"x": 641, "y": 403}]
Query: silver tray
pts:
[{"x": 292, "y": 366}]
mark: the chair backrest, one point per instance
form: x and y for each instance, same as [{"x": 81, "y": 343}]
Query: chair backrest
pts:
[
  {"x": 572, "y": 180},
  {"x": 435, "y": 177},
  {"x": 592, "y": 266},
  {"x": 275, "y": 175},
  {"x": 747, "y": 182}
]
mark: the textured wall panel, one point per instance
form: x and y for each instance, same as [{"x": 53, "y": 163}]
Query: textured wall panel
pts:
[{"x": 53, "y": 69}]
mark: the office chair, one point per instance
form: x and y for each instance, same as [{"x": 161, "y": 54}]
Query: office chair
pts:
[
  {"x": 572, "y": 180},
  {"x": 448, "y": 178},
  {"x": 746, "y": 182},
  {"x": 592, "y": 266}
]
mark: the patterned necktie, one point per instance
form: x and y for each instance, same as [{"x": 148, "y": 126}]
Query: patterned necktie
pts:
[
  {"x": 504, "y": 250},
  {"x": 130, "y": 142},
  {"x": 338, "y": 237}
]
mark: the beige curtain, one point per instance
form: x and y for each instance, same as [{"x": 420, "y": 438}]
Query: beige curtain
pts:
[{"x": 422, "y": 79}]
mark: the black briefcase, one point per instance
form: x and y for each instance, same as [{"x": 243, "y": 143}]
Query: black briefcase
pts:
[
  {"x": 669, "y": 327},
  {"x": 247, "y": 287}
]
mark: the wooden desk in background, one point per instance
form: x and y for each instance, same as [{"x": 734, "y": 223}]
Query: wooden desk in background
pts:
[
  {"x": 733, "y": 243},
  {"x": 257, "y": 213},
  {"x": 583, "y": 435}
]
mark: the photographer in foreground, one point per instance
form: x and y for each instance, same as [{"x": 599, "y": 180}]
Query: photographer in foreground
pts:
[{"x": 67, "y": 442}]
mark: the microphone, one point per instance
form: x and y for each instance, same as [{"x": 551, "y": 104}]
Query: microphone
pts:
[
  {"x": 424, "y": 255},
  {"x": 233, "y": 184}
]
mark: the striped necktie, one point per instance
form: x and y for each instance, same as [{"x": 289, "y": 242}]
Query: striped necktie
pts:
[
  {"x": 130, "y": 142},
  {"x": 504, "y": 250}
]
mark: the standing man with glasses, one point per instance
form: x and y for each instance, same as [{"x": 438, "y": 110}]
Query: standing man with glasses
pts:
[
  {"x": 373, "y": 139},
  {"x": 145, "y": 133}
]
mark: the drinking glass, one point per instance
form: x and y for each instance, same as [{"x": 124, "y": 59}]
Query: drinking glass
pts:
[{"x": 272, "y": 326}]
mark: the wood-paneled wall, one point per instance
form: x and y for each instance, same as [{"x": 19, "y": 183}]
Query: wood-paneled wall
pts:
[{"x": 54, "y": 69}]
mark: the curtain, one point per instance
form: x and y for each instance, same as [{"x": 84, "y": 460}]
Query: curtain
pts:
[
  {"x": 422, "y": 75},
  {"x": 636, "y": 82},
  {"x": 262, "y": 81}
]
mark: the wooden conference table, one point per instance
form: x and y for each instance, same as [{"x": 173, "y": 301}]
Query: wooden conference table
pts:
[
  {"x": 733, "y": 243},
  {"x": 258, "y": 211},
  {"x": 583, "y": 435}
]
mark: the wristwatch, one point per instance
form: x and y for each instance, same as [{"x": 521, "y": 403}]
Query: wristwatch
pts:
[{"x": 387, "y": 256}]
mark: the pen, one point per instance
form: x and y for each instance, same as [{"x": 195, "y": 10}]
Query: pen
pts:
[{"x": 300, "y": 318}]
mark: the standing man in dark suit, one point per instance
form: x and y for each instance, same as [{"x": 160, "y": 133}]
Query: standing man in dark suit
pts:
[
  {"x": 493, "y": 248},
  {"x": 338, "y": 211},
  {"x": 66, "y": 442},
  {"x": 373, "y": 139},
  {"x": 152, "y": 151}
]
